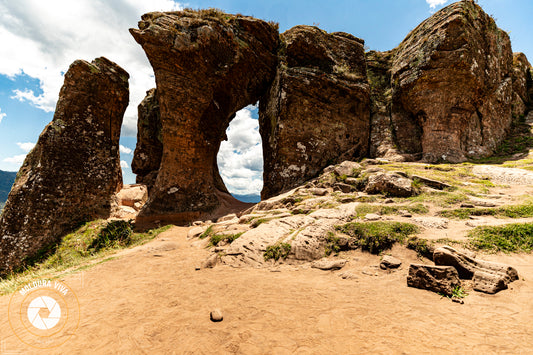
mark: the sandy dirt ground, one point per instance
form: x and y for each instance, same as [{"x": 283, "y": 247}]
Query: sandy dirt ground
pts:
[{"x": 151, "y": 300}]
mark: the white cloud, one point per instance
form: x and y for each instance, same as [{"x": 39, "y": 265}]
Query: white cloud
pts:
[
  {"x": 124, "y": 164},
  {"x": 17, "y": 159},
  {"x": 434, "y": 3},
  {"x": 26, "y": 146},
  {"x": 240, "y": 159},
  {"x": 125, "y": 150},
  {"x": 42, "y": 38},
  {"x": 2, "y": 115}
]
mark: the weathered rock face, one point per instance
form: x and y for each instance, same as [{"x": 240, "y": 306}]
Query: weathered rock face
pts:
[
  {"x": 207, "y": 66},
  {"x": 73, "y": 173},
  {"x": 522, "y": 85},
  {"x": 452, "y": 85},
  {"x": 382, "y": 144},
  {"x": 149, "y": 149},
  {"x": 317, "y": 111}
]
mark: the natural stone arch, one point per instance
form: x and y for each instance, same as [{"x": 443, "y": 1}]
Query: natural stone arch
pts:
[{"x": 207, "y": 66}]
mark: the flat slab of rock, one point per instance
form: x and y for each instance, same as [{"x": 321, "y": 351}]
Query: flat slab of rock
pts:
[
  {"x": 439, "y": 279},
  {"x": 329, "y": 264},
  {"x": 488, "y": 277}
]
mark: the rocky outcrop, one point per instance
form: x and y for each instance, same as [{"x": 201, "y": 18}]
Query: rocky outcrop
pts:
[
  {"x": 207, "y": 65},
  {"x": 452, "y": 86},
  {"x": 149, "y": 149},
  {"x": 488, "y": 277},
  {"x": 439, "y": 279},
  {"x": 317, "y": 110},
  {"x": 73, "y": 173}
]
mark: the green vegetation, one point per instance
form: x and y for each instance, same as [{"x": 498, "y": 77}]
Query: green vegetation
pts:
[
  {"x": 208, "y": 232},
  {"x": 378, "y": 236},
  {"x": 508, "y": 238},
  {"x": 228, "y": 238},
  {"x": 277, "y": 251},
  {"x": 422, "y": 247},
  {"x": 363, "y": 209},
  {"x": 459, "y": 292},
  {"x": 87, "y": 246},
  {"x": 518, "y": 211},
  {"x": 332, "y": 245},
  {"x": 215, "y": 238}
]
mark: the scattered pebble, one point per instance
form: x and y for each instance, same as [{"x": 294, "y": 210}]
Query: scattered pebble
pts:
[{"x": 216, "y": 315}]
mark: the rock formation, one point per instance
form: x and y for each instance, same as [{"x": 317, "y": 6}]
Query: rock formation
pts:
[
  {"x": 448, "y": 92},
  {"x": 317, "y": 110},
  {"x": 73, "y": 173},
  {"x": 207, "y": 66},
  {"x": 439, "y": 279},
  {"x": 451, "y": 88},
  {"x": 149, "y": 149},
  {"x": 522, "y": 85},
  {"x": 487, "y": 277}
]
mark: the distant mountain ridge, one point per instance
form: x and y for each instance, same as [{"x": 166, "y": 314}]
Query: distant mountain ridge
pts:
[{"x": 7, "y": 178}]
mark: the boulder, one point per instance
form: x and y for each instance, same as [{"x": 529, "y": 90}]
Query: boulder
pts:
[
  {"x": 73, "y": 173},
  {"x": 390, "y": 262},
  {"x": 149, "y": 149},
  {"x": 389, "y": 184},
  {"x": 439, "y": 279},
  {"x": 134, "y": 196},
  {"x": 451, "y": 86},
  {"x": 487, "y": 276},
  {"x": 347, "y": 169},
  {"x": 317, "y": 110},
  {"x": 207, "y": 66}
]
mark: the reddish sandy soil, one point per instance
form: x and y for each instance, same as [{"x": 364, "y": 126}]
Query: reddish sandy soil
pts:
[{"x": 151, "y": 300}]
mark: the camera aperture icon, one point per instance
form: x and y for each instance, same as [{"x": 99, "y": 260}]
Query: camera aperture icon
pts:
[{"x": 38, "y": 307}]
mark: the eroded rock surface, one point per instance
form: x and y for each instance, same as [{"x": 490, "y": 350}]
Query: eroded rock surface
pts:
[
  {"x": 73, "y": 173},
  {"x": 439, "y": 279},
  {"x": 207, "y": 66},
  {"x": 488, "y": 277},
  {"x": 452, "y": 85},
  {"x": 522, "y": 85},
  {"x": 317, "y": 111},
  {"x": 149, "y": 149}
]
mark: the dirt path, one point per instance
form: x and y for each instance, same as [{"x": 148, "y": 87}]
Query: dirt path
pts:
[{"x": 150, "y": 300}]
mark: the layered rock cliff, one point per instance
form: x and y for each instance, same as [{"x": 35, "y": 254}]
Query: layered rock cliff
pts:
[
  {"x": 73, "y": 173},
  {"x": 207, "y": 66},
  {"x": 317, "y": 110}
]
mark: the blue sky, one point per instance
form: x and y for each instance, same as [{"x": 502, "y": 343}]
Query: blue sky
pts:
[{"x": 41, "y": 38}]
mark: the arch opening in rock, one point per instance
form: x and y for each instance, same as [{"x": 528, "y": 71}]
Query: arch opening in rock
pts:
[{"x": 240, "y": 157}]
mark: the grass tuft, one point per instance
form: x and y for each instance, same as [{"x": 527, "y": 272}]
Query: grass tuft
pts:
[
  {"x": 509, "y": 238},
  {"x": 277, "y": 251},
  {"x": 378, "y": 236}
]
